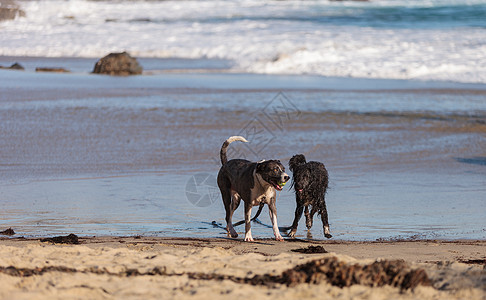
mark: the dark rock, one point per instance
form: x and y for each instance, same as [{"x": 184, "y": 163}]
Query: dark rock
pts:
[
  {"x": 15, "y": 66},
  {"x": 121, "y": 64},
  {"x": 474, "y": 261},
  {"x": 67, "y": 239},
  {"x": 311, "y": 250},
  {"x": 8, "y": 232},
  {"x": 9, "y": 10},
  {"x": 53, "y": 70},
  {"x": 388, "y": 272},
  {"x": 338, "y": 273}
]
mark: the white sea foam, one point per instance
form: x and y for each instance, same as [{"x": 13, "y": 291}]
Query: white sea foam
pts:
[{"x": 290, "y": 37}]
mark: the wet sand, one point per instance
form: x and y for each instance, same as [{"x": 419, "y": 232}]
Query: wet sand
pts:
[{"x": 137, "y": 267}]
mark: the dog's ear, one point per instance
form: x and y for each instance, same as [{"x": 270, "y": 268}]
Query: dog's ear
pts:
[
  {"x": 295, "y": 161},
  {"x": 260, "y": 167},
  {"x": 302, "y": 179}
]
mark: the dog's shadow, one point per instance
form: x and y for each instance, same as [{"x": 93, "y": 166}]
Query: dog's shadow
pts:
[
  {"x": 256, "y": 220},
  {"x": 220, "y": 226},
  {"x": 309, "y": 238},
  {"x": 256, "y": 241}
]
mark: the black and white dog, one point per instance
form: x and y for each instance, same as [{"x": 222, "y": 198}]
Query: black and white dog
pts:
[
  {"x": 310, "y": 181},
  {"x": 252, "y": 182}
]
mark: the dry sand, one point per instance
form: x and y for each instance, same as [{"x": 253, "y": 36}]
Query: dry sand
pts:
[{"x": 145, "y": 268}]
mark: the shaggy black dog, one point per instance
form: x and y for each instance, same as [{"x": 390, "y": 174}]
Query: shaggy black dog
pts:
[{"x": 310, "y": 181}]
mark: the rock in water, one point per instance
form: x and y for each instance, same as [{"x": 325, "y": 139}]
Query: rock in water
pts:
[
  {"x": 53, "y": 70},
  {"x": 9, "y": 10},
  {"x": 121, "y": 64},
  {"x": 8, "y": 231},
  {"x": 15, "y": 66}
]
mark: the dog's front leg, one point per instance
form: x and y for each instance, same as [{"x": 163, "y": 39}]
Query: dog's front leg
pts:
[
  {"x": 298, "y": 215},
  {"x": 273, "y": 217},
  {"x": 308, "y": 218},
  {"x": 248, "y": 237}
]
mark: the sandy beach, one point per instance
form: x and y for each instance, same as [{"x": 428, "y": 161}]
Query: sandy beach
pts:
[{"x": 218, "y": 268}]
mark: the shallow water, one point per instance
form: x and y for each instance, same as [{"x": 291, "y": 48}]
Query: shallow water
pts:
[
  {"x": 97, "y": 155},
  {"x": 361, "y": 207}
]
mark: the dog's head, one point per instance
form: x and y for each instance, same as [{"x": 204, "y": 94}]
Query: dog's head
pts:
[
  {"x": 295, "y": 161},
  {"x": 273, "y": 172}
]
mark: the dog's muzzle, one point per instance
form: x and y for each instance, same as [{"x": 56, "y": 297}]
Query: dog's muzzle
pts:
[{"x": 281, "y": 183}]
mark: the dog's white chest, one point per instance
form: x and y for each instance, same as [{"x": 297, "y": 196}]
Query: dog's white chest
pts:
[{"x": 262, "y": 194}]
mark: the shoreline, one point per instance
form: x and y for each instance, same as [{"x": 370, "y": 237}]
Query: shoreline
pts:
[
  {"x": 92, "y": 238},
  {"x": 454, "y": 250}
]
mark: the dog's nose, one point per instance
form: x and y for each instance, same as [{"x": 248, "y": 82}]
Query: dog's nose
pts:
[{"x": 286, "y": 178}]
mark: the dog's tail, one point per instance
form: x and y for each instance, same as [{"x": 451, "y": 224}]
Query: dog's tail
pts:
[{"x": 222, "y": 153}]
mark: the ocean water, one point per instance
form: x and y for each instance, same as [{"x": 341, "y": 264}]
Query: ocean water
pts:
[
  {"x": 394, "y": 39},
  {"x": 100, "y": 155}
]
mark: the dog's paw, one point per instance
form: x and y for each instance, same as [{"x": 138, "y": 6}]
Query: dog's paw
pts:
[
  {"x": 279, "y": 238},
  {"x": 292, "y": 233},
  {"x": 232, "y": 233},
  {"x": 327, "y": 233},
  {"x": 308, "y": 223},
  {"x": 249, "y": 239}
]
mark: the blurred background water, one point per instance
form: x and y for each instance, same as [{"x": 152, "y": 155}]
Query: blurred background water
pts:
[{"x": 409, "y": 39}]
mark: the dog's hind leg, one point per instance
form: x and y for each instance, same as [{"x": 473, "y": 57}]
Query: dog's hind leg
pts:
[
  {"x": 309, "y": 216},
  {"x": 226, "y": 194},
  {"x": 228, "y": 206},
  {"x": 235, "y": 202},
  {"x": 325, "y": 221},
  {"x": 298, "y": 215}
]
